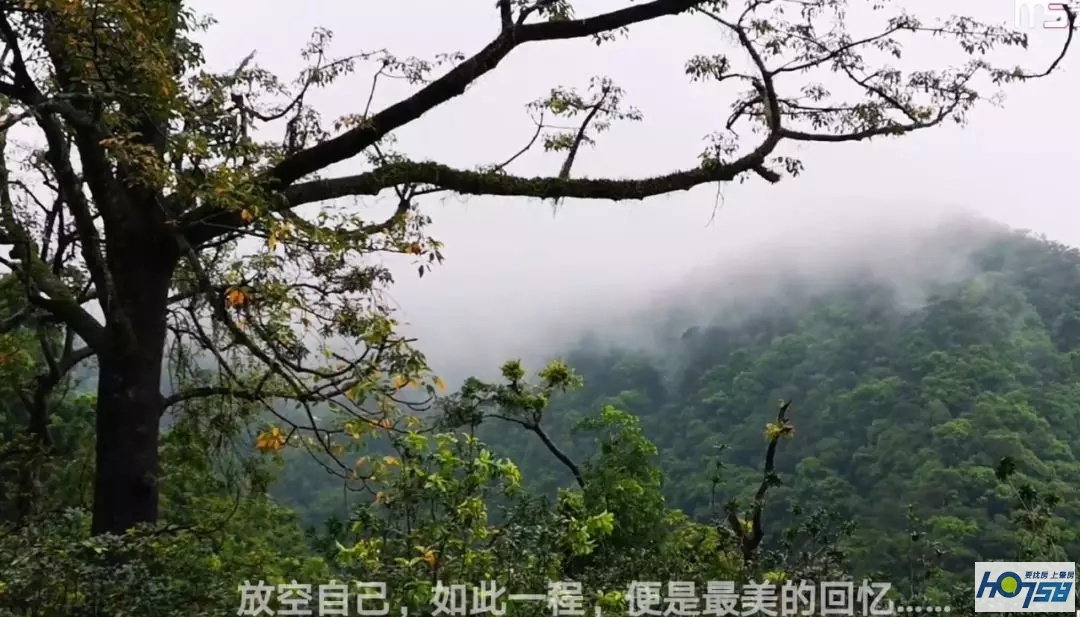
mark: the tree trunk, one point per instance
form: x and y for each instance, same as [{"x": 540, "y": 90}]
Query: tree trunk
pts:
[{"x": 130, "y": 404}]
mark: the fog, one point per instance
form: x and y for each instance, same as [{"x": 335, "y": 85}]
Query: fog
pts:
[
  {"x": 910, "y": 250},
  {"x": 520, "y": 280}
]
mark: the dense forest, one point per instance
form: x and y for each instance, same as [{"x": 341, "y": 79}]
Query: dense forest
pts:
[
  {"x": 902, "y": 413},
  {"x": 836, "y": 432}
]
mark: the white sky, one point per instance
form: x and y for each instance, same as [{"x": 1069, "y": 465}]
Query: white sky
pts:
[{"x": 514, "y": 271}]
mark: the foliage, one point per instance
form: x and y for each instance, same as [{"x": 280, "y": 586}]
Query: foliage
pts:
[
  {"x": 436, "y": 507},
  {"x": 151, "y": 194},
  {"x": 155, "y": 229},
  {"x": 895, "y": 406}
]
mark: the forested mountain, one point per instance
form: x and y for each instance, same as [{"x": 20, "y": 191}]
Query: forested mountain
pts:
[
  {"x": 903, "y": 401},
  {"x": 893, "y": 405},
  {"x": 898, "y": 428}
]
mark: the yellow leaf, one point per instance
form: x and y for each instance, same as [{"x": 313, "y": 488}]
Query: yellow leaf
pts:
[
  {"x": 245, "y": 216},
  {"x": 380, "y": 497},
  {"x": 776, "y": 431},
  {"x": 399, "y": 382},
  {"x": 412, "y": 422},
  {"x": 271, "y": 241},
  {"x": 776, "y": 577},
  {"x": 414, "y": 248},
  {"x": 440, "y": 384},
  {"x": 386, "y": 423},
  {"x": 429, "y": 558},
  {"x": 235, "y": 297},
  {"x": 270, "y": 441},
  {"x": 390, "y": 461}
]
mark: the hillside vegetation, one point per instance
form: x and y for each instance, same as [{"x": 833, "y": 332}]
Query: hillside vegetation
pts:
[
  {"x": 894, "y": 405},
  {"x": 864, "y": 428}
]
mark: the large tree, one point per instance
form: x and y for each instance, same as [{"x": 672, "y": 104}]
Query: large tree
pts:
[{"x": 133, "y": 180}]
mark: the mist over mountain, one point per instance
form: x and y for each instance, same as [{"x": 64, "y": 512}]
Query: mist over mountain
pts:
[
  {"x": 912, "y": 374},
  {"x": 535, "y": 308},
  {"x": 910, "y": 256},
  {"x": 800, "y": 256},
  {"x": 917, "y": 352},
  {"x": 916, "y": 358}
]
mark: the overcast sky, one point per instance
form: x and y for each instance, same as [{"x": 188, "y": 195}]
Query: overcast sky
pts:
[{"x": 515, "y": 273}]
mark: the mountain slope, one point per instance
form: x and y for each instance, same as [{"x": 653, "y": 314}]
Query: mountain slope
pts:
[{"x": 893, "y": 404}]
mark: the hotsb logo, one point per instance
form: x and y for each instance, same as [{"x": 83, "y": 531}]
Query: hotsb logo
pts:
[{"x": 1025, "y": 587}]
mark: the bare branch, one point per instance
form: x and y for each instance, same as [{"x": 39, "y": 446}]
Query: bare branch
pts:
[
  {"x": 453, "y": 84},
  {"x": 482, "y": 183},
  {"x": 506, "y": 17}
]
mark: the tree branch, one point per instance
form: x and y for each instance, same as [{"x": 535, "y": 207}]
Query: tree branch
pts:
[
  {"x": 209, "y": 221},
  {"x": 453, "y": 84},
  {"x": 506, "y": 18},
  {"x": 468, "y": 182},
  {"x": 553, "y": 448},
  {"x": 60, "y": 300},
  {"x": 750, "y": 533},
  {"x": 858, "y": 123}
]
